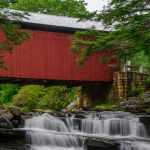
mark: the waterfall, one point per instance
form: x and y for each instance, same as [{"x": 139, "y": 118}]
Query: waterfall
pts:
[
  {"x": 41, "y": 138},
  {"x": 135, "y": 146},
  {"x": 47, "y": 132},
  {"x": 46, "y": 122},
  {"x": 114, "y": 126}
]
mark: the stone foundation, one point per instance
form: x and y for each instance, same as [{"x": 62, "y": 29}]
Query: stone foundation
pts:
[
  {"x": 92, "y": 95},
  {"x": 125, "y": 83},
  {"x": 121, "y": 88}
]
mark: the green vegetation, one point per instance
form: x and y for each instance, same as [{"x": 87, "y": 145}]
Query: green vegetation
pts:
[
  {"x": 128, "y": 22},
  {"x": 70, "y": 8},
  {"x": 135, "y": 91},
  {"x": 37, "y": 97},
  {"x": 108, "y": 106}
]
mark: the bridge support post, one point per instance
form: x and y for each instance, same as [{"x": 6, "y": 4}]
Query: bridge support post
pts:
[{"x": 91, "y": 95}]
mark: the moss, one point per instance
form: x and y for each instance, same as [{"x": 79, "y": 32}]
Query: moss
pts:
[{"x": 105, "y": 107}]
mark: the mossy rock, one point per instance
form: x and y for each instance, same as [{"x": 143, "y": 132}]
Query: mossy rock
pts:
[{"x": 147, "y": 111}]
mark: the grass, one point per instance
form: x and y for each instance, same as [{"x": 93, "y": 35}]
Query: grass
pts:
[{"x": 107, "y": 105}]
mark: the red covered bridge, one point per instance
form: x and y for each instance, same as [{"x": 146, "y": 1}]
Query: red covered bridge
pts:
[{"x": 45, "y": 58}]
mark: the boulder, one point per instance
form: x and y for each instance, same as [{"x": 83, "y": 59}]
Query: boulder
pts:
[
  {"x": 24, "y": 117},
  {"x": 145, "y": 120},
  {"x": 43, "y": 111},
  {"x": 79, "y": 116},
  {"x": 2, "y": 107},
  {"x": 9, "y": 132},
  {"x": 146, "y": 100},
  {"x": 101, "y": 144},
  {"x": 146, "y": 95},
  {"x": 130, "y": 108},
  {"x": 15, "y": 123},
  {"x": 4, "y": 123},
  {"x": 140, "y": 107},
  {"x": 122, "y": 103},
  {"x": 123, "y": 108},
  {"x": 147, "y": 111},
  {"x": 71, "y": 105},
  {"x": 16, "y": 111},
  {"x": 6, "y": 114},
  {"x": 140, "y": 102},
  {"x": 131, "y": 102}
]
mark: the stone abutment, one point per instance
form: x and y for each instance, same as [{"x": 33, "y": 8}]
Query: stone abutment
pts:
[{"x": 124, "y": 85}]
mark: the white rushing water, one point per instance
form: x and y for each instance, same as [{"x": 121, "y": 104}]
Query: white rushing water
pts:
[
  {"x": 47, "y": 122},
  {"x": 50, "y": 133}
]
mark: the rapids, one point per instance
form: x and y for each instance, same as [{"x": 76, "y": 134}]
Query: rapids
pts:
[{"x": 47, "y": 132}]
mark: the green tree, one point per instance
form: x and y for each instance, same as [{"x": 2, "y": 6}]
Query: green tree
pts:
[
  {"x": 36, "y": 96},
  {"x": 7, "y": 92},
  {"x": 10, "y": 33},
  {"x": 128, "y": 26},
  {"x": 70, "y": 8}
]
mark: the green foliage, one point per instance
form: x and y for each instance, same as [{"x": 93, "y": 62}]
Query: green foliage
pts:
[
  {"x": 142, "y": 93},
  {"x": 148, "y": 80},
  {"x": 134, "y": 91},
  {"x": 128, "y": 24},
  {"x": 29, "y": 96},
  {"x": 70, "y": 8},
  {"x": 6, "y": 93},
  {"x": 58, "y": 98},
  {"x": 38, "y": 97},
  {"x": 108, "y": 104}
]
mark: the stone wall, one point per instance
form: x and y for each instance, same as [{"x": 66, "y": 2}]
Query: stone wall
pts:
[
  {"x": 126, "y": 82},
  {"x": 105, "y": 92},
  {"x": 92, "y": 95}
]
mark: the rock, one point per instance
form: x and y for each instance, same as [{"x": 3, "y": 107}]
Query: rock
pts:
[
  {"x": 130, "y": 108},
  {"x": 64, "y": 110},
  {"x": 145, "y": 120},
  {"x": 15, "y": 123},
  {"x": 146, "y": 95},
  {"x": 146, "y": 100},
  {"x": 147, "y": 111},
  {"x": 16, "y": 111},
  {"x": 131, "y": 102},
  {"x": 30, "y": 113},
  {"x": 131, "y": 98},
  {"x": 74, "y": 109},
  {"x": 122, "y": 103},
  {"x": 2, "y": 107},
  {"x": 24, "y": 117},
  {"x": 140, "y": 107},
  {"x": 79, "y": 109},
  {"x": 9, "y": 132},
  {"x": 71, "y": 106},
  {"x": 85, "y": 109},
  {"x": 43, "y": 111},
  {"x": 123, "y": 108},
  {"x": 4, "y": 123},
  {"x": 140, "y": 102},
  {"x": 101, "y": 144},
  {"x": 6, "y": 114},
  {"x": 124, "y": 100},
  {"x": 79, "y": 116},
  {"x": 60, "y": 115}
]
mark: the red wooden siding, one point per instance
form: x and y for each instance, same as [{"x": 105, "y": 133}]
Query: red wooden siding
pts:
[{"x": 46, "y": 57}]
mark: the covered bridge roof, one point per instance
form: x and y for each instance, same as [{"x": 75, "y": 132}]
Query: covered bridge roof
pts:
[{"x": 57, "y": 23}]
